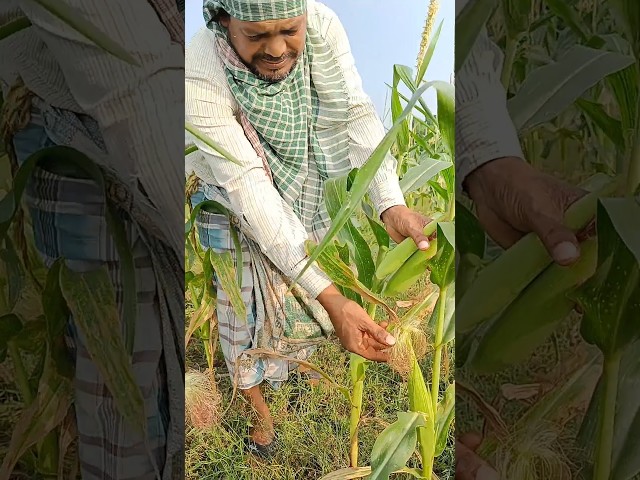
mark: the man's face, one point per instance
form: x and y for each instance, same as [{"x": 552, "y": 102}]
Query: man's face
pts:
[{"x": 271, "y": 48}]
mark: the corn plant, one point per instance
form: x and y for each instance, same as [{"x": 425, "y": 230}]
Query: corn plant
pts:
[{"x": 583, "y": 88}]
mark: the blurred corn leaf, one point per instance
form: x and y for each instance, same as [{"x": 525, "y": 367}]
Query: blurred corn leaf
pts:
[
  {"x": 10, "y": 326},
  {"x": 442, "y": 265},
  {"x": 469, "y": 23},
  {"x": 549, "y": 90},
  {"x": 75, "y": 19},
  {"x": 516, "y": 16},
  {"x": 611, "y": 298},
  {"x": 208, "y": 141},
  {"x": 471, "y": 236},
  {"x": 417, "y": 177},
  {"x": 46, "y": 412},
  {"x": 627, "y": 16},
  {"x": 225, "y": 271},
  {"x": 92, "y": 301},
  {"x": 14, "y": 27}
]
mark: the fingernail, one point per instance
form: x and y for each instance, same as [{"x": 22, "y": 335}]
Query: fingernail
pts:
[
  {"x": 565, "y": 251},
  {"x": 423, "y": 245},
  {"x": 390, "y": 340}
]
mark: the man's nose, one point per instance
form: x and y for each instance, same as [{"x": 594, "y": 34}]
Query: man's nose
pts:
[{"x": 276, "y": 47}]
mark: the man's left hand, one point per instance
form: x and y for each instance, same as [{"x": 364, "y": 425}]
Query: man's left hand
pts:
[{"x": 401, "y": 223}]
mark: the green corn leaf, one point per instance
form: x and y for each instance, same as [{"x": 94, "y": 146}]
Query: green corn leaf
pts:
[
  {"x": 611, "y": 298},
  {"x": 549, "y": 90},
  {"x": 364, "y": 177},
  {"x": 13, "y": 27},
  {"x": 66, "y": 159},
  {"x": 444, "y": 418},
  {"x": 516, "y": 14},
  {"x": 610, "y": 126},
  {"x": 442, "y": 265},
  {"x": 379, "y": 231},
  {"x": 402, "y": 141},
  {"x": 348, "y": 473},
  {"x": 426, "y": 60},
  {"x": 627, "y": 16},
  {"x": 10, "y": 326},
  {"x": 226, "y": 276},
  {"x": 394, "y": 446},
  {"x": 91, "y": 299},
  {"x": 14, "y": 271},
  {"x": 449, "y": 327},
  {"x": 336, "y": 191},
  {"x": 469, "y": 23},
  {"x": 208, "y": 141},
  {"x": 74, "y": 18},
  {"x": 340, "y": 273},
  {"x": 473, "y": 240},
  {"x": 46, "y": 412},
  {"x": 417, "y": 177},
  {"x": 209, "y": 206},
  {"x": 570, "y": 16}
]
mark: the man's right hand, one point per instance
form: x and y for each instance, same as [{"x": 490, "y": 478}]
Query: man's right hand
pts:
[{"x": 357, "y": 332}]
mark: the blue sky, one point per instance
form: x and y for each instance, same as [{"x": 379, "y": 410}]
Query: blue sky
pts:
[{"x": 381, "y": 35}]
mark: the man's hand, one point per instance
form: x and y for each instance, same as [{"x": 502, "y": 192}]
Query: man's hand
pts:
[
  {"x": 355, "y": 329},
  {"x": 469, "y": 466},
  {"x": 402, "y": 223},
  {"x": 513, "y": 199}
]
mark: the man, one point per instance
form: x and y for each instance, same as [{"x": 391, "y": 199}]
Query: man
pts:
[
  {"x": 274, "y": 83},
  {"x": 511, "y": 197},
  {"x": 60, "y": 88}
]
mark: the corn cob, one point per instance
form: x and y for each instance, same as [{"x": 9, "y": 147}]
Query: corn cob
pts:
[
  {"x": 411, "y": 270},
  {"x": 500, "y": 283},
  {"x": 396, "y": 257},
  {"x": 534, "y": 315}
]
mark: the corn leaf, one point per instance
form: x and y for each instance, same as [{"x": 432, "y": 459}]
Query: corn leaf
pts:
[
  {"x": 516, "y": 15},
  {"x": 626, "y": 464},
  {"x": 449, "y": 327},
  {"x": 402, "y": 141},
  {"x": 46, "y": 412},
  {"x": 417, "y": 177},
  {"x": 336, "y": 191},
  {"x": 469, "y": 23},
  {"x": 226, "y": 275},
  {"x": 74, "y": 18},
  {"x": 568, "y": 13},
  {"x": 340, "y": 273},
  {"x": 442, "y": 265},
  {"x": 471, "y": 236},
  {"x": 444, "y": 418},
  {"x": 381, "y": 234},
  {"x": 208, "y": 206},
  {"x": 348, "y": 473},
  {"x": 611, "y": 298},
  {"x": 627, "y": 15},
  {"x": 426, "y": 60},
  {"x": 394, "y": 446},
  {"x": 91, "y": 299},
  {"x": 549, "y": 90},
  {"x": 14, "y": 271},
  {"x": 10, "y": 326},
  {"x": 14, "y": 27},
  {"x": 208, "y": 141},
  {"x": 363, "y": 178},
  {"x": 610, "y": 126}
]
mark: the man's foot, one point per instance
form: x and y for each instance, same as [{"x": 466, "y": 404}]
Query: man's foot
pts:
[{"x": 262, "y": 434}]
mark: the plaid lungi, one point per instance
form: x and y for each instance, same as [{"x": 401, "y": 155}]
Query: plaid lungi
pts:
[
  {"x": 291, "y": 324},
  {"x": 69, "y": 221}
]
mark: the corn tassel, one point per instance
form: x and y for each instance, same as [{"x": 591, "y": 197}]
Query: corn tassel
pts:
[
  {"x": 396, "y": 257},
  {"x": 535, "y": 314},
  {"x": 500, "y": 283}
]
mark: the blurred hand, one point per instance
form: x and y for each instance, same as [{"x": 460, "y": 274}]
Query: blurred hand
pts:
[
  {"x": 354, "y": 328},
  {"x": 401, "y": 223},
  {"x": 512, "y": 199},
  {"x": 469, "y": 466}
]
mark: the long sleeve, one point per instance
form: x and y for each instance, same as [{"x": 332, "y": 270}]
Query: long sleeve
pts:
[
  {"x": 135, "y": 106},
  {"x": 209, "y": 107},
  {"x": 484, "y": 129},
  {"x": 365, "y": 127}
]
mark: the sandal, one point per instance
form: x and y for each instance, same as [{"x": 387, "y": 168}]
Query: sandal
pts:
[{"x": 262, "y": 451}]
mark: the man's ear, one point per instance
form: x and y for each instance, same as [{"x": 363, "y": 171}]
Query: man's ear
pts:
[{"x": 224, "y": 21}]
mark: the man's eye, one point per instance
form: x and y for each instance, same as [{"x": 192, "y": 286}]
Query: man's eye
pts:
[{"x": 254, "y": 38}]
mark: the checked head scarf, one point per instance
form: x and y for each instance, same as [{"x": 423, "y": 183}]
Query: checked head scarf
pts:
[{"x": 298, "y": 125}]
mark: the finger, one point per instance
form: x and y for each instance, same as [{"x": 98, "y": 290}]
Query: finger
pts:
[
  {"x": 561, "y": 243},
  {"x": 379, "y": 334},
  {"x": 384, "y": 324},
  {"x": 374, "y": 355},
  {"x": 472, "y": 440},
  {"x": 467, "y": 462}
]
